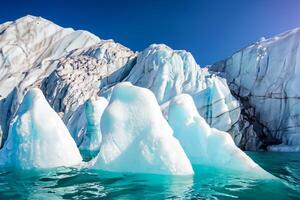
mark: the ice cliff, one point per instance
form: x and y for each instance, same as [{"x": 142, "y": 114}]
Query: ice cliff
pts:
[{"x": 265, "y": 79}]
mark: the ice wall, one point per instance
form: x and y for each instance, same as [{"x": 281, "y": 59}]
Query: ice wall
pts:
[{"x": 265, "y": 78}]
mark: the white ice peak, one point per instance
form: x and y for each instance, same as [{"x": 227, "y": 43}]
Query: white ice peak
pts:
[
  {"x": 38, "y": 137},
  {"x": 137, "y": 138}
]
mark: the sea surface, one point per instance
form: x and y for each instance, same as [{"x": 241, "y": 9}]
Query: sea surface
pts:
[{"x": 68, "y": 183}]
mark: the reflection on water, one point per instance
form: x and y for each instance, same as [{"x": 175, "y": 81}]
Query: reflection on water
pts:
[{"x": 206, "y": 184}]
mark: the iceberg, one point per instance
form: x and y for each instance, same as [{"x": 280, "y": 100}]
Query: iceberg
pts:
[
  {"x": 136, "y": 137},
  {"x": 168, "y": 72},
  {"x": 73, "y": 66},
  {"x": 265, "y": 78},
  {"x": 46, "y": 127},
  {"x": 205, "y": 145},
  {"x": 38, "y": 137}
]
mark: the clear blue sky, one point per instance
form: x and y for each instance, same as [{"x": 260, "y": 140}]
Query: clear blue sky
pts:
[{"x": 210, "y": 29}]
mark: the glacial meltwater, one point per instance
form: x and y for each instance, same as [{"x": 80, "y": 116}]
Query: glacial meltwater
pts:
[{"x": 70, "y": 183}]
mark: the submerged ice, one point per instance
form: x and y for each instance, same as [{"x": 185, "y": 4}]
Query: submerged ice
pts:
[{"x": 38, "y": 138}]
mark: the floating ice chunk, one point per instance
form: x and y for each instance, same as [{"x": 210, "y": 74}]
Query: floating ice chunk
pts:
[
  {"x": 202, "y": 144},
  {"x": 93, "y": 113},
  {"x": 136, "y": 137},
  {"x": 38, "y": 137},
  {"x": 284, "y": 148}
]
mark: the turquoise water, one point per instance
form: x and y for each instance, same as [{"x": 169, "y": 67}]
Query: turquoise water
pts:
[{"x": 207, "y": 184}]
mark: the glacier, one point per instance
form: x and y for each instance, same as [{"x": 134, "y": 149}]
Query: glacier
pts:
[
  {"x": 265, "y": 78},
  {"x": 105, "y": 98},
  {"x": 137, "y": 138},
  {"x": 38, "y": 138}
]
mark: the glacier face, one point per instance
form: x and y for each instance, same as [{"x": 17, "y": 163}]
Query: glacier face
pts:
[
  {"x": 265, "y": 78},
  {"x": 38, "y": 138},
  {"x": 137, "y": 138}
]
